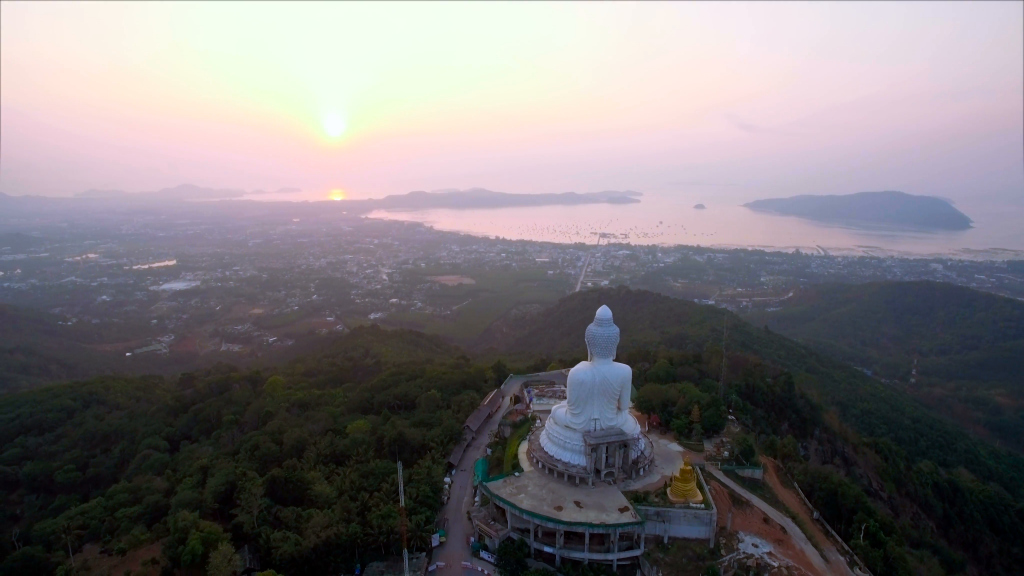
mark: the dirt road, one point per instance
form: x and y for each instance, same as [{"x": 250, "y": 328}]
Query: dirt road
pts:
[
  {"x": 791, "y": 499},
  {"x": 791, "y": 528},
  {"x": 742, "y": 517}
]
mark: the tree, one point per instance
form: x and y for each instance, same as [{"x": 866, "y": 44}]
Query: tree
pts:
[
  {"x": 512, "y": 555},
  {"x": 224, "y": 561},
  {"x": 251, "y": 501},
  {"x": 67, "y": 477},
  {"x": 658, "y": 399},
  {"x": 713, "y": 416},
  {"x": 745, "y": 448},
  {"x": 420, "y": 530},
  {"x": 499, "y": 372},
  {"x": 274, "y": 386},
  {"x": 681, "y": 427},
  {"x": 661, "y": 373},
  {"x": 191, "y": 540},
  {"x": 789, "y": 450},
  {"x": 27, "y": 560},
  {"x": 69, "y": 533}
]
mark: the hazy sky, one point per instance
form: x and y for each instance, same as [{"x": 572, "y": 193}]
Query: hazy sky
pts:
[{"x": 747, "y": 100}]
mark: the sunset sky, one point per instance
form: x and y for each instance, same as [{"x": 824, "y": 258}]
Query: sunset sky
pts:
[{"x": 753, "y": 100}]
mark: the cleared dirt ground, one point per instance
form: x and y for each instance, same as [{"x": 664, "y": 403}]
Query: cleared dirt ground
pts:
[
  {"x": 748, "y": 519},
  {"x": 791, "y": 499}
]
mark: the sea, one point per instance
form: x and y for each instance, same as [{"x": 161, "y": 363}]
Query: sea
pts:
[
  {"x": 669, "y": 218},
  {"x": 998, "y": 233}
]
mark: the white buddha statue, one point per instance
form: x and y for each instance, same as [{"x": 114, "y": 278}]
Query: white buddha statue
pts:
[{"x": 598, "y": 397}]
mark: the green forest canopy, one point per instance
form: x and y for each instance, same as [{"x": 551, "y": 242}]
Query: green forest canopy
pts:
[
  {"x": 298, "y": 461},
  {"x": 968, "y": 345}
]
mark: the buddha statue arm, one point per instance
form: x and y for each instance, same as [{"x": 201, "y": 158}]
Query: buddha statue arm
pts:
[{"x": 625, "y": 396}]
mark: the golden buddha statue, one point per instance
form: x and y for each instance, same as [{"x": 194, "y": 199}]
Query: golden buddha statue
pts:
[{"x": 683, "y": 489}]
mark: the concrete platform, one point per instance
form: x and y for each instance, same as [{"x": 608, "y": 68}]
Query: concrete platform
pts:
[
  {"x": 668, "y": 457},
  {"x": 564, "y": 503}
]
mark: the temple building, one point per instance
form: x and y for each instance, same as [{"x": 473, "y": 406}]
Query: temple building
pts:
[{"x": 580, "y": 455}]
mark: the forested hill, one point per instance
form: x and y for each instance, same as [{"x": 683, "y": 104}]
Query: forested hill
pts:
[
  {"x": 297, "y": 462},
  {"x": 969, "y": 345},
  {"x": 915, "y": 466},
  {"x": 888, "y": 209},
  {"x": 956, "y": 333}
]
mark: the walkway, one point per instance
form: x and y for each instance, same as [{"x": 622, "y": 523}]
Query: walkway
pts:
[
  {"x": 799, "y": 538},
  {"x": 515, "y": 382}
]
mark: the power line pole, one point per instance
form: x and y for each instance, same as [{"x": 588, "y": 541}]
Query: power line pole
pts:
[
  {"x": 401, "y": 507},
  {"x": 725, "y": 328}
]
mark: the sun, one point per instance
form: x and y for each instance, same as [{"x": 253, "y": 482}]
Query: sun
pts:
[
  {"x": 337, "y": 194},
  {"x": 334, "y": 125}
]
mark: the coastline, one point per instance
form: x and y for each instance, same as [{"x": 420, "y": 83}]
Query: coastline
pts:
[{"x": 817, "y": 238}]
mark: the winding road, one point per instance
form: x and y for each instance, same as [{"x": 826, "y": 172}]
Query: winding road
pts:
[{"x": 799, "y": 538}]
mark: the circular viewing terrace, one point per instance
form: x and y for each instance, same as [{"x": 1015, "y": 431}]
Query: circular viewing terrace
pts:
[{"x": 608, "y": 459}]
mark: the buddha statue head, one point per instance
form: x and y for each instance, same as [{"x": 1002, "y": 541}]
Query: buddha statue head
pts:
[{"x": 602, "y": 336}]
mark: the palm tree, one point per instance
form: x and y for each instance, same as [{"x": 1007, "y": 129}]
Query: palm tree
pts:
[
  {"x": 69, "y": 533},
  {"x": 420, "y": 530}
]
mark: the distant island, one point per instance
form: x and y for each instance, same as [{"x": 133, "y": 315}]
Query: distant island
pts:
[
  {"x": 870, "y": 209},
  {"x": 699, "y": 207},
  {"x": 482, "y": 198}
]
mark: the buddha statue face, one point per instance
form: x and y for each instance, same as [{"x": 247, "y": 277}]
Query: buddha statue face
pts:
[{"x": 602, "y": 336}]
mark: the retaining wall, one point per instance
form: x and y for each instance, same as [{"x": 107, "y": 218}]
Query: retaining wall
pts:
[{"x": 692, "y": 523}]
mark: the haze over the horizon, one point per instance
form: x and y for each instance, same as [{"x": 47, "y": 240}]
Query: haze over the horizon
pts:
[{"x": 741, "y": 100}]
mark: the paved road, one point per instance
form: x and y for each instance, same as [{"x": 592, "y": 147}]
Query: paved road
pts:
[
  {"x": 798, "y": 535},
  {"x": 582, "y": 274},
  {"x": 455, "y": 550}
]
